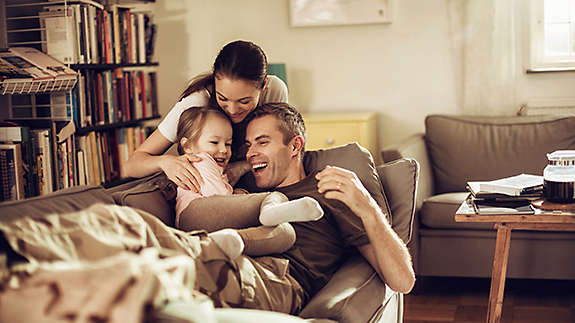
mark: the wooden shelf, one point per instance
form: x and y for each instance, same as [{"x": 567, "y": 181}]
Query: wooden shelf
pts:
[
  {"x": 111, "y": 66},
  {"x": 131, "y": 123}
]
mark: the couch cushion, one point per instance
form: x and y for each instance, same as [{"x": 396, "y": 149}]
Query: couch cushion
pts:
[
  {"x": 399, "y": 179},
  {"x": 63, "y": 201},
  {"x": 472, "y": 148},
  {"x": 438, "y": 212},
  {"x": 354, "y": 294},
  {"x": 354, "y": 158},
  {"x": 154, "y": 194}
]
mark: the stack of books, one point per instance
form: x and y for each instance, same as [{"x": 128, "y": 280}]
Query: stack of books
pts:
[{"x": 509, "y": 195}]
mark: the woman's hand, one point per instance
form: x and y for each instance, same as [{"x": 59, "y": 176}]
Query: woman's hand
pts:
[
  {"x": 181, "y": 171},
  {"x": 343, "y": 185},
  {"x": 234, "y": 171}
]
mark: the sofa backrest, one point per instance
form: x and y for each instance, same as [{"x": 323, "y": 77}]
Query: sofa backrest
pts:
[
  {"x": 474, "y": 148},
  {"x": 67, "y": 200}
]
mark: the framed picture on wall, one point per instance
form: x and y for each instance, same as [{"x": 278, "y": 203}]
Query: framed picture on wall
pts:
[{"x": 339, "y": 12}]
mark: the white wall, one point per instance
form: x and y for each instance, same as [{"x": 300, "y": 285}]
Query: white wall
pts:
[{"x": 403, "y": 70}]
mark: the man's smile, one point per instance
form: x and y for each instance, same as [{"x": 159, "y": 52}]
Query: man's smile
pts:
[{"x": 259, "y": 167}]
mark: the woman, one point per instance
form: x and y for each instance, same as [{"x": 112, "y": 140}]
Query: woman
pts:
[{"x": 237, "y": 84}]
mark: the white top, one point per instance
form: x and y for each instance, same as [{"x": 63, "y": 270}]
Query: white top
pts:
[{"x": 275, "y": 91}]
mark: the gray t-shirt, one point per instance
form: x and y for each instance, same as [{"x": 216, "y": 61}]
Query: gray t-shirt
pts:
[{"x": 321, "y": 246}]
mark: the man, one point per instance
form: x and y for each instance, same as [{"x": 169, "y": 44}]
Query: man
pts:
[{"x": 275, "y": 137}]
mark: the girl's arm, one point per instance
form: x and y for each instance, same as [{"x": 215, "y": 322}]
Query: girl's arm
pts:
[{"x": 149, "y": 158}]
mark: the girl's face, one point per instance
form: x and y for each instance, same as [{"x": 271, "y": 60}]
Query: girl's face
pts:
[
  {"x": 215, "y": 139},
  {"x": 237, "y": 97}
]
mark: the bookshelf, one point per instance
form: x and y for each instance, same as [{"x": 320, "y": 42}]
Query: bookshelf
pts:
[{"x": 83, "y": 135}]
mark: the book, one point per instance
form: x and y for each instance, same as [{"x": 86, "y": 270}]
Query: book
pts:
[
  {"x": 14, "y": 172},
  {"x": 514, "y": 185},
  {"x": 483, "y": 207},
  {"x": 474, "y": 189},
  {"x": 59, "y": 23},
  {"x": 13, "y": 133},
  {"x": 66, "y": 131},
  {"x": 46, "y": 63}
]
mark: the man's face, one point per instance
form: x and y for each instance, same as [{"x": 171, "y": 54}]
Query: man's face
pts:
[{"x": 273, "y": 162}]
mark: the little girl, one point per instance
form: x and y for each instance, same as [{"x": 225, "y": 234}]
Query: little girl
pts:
[{"x": 206, "y": 132}]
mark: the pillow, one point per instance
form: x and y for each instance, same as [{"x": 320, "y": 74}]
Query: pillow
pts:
[
  {"x": 475, "y": 148},
  {"x": 154, "y": 195},
  {"x": 352, "y": 157},
  {"x": 399, "y": 178}
]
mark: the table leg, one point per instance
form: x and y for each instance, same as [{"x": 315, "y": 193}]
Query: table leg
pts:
[{"x": 498, "y": 273}]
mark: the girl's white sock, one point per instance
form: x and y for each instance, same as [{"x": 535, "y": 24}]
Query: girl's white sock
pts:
[
  {"x": 229, "y": 240},
  {"x": 300, "y": 210}
]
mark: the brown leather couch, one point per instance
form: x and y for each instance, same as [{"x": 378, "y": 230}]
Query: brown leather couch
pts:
[
  {"x": 354, "y": 294},
  {"x": 457, "y": 149}
]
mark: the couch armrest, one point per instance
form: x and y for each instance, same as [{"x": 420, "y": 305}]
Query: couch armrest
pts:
[
  {"x": 355, "y": 294},
  {"x": 415, "y": 147}
]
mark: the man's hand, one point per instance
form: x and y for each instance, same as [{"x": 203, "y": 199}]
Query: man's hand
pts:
[
  {"x": 234, "y": 171},
  {"x": 181, "y": 171},
  {"x": 343, "y": 185}
]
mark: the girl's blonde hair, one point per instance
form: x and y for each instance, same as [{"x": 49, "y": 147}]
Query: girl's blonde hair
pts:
[{"x": 191, "y": 123}]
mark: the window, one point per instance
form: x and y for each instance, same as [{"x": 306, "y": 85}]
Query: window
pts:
[{"x": 552, "y": 35}]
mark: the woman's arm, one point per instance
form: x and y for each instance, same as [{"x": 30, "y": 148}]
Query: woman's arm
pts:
[
  {"x": 234, "y": 171},
  {"x": 149, "y": 158}
]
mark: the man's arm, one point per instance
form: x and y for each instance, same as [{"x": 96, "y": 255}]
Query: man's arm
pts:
[{"x": 386, "y": 253}]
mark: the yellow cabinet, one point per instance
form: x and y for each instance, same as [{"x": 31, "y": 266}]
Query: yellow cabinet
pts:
[{"x": 325, "y": 130}]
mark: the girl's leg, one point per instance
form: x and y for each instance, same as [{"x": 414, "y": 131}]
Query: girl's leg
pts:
[
  {"x": 241, "y": 211},
  {"x": 217, "y": 212},
  {"x": 263, "y": 240}
]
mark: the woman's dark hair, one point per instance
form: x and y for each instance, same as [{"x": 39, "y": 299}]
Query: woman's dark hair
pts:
[{"x": 237, "y": 60}]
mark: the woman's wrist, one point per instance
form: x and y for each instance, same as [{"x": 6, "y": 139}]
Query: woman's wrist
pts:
[{"x": 161, "y": 161}]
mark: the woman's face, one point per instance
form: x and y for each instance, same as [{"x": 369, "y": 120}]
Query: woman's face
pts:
[{"x": 237, "y": 97}]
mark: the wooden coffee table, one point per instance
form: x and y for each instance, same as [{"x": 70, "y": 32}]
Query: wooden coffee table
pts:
[{"x": 504, "y": 223}]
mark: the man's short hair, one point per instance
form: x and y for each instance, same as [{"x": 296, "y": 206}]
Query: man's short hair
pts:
[{"x": 291, "y": 122}]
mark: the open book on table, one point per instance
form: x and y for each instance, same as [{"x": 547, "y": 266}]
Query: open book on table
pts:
[{"x": 524, "y": 185}]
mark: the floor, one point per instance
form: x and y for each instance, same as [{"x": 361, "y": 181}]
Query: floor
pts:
[{"x": 440, "y": 299}]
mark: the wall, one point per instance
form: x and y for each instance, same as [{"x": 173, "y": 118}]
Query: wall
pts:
[{"x": 403, "y": 70}]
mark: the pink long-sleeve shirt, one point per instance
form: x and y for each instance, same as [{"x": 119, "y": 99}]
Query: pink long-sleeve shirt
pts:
[{"x": 215, "y": 183}]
